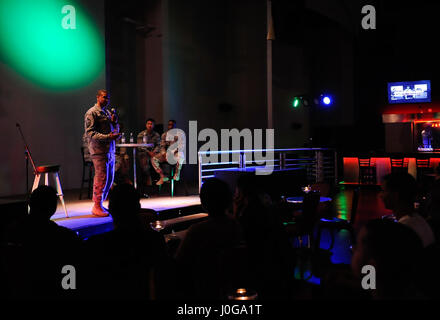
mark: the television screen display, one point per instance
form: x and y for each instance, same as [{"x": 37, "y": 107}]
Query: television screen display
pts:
[{"x": 409, "y": 91}]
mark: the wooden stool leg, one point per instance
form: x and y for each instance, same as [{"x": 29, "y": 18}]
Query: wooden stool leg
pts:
[
  {"x": 35, "y": 186},
  {"x": 36, "y": 181},
  {"x": 60, "y": 193}
]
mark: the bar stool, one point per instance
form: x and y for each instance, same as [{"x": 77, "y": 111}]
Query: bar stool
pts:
[
  {"x": 169, "y": 173},
  {"x": 396, "y": 164},
  {"x": 399, "y": 164},
  {"x": 46, "y": 170},
  {"x": 169, "y": 169},
  {"x": 87, "y": 164},
  {"x": 423, "y": 167},
  {"x": 367, "y": 170}
]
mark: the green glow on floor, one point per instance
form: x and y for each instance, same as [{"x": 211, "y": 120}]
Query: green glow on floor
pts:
[{"x": 342, "y": 205}]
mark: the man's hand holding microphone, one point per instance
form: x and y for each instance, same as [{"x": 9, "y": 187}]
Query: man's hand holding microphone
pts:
[{"x": 114, "y": 135}]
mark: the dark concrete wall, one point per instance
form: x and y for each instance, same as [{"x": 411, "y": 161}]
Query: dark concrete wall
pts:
[
  {"x": 52, "y": 122},
  {"x": 215, "y": 65}
]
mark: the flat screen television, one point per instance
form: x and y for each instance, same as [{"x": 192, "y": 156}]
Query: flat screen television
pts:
[{"x": 409, "y": 91}]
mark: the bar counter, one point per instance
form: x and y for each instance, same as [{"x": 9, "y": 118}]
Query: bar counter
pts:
[{"x": 382, "y": 164}]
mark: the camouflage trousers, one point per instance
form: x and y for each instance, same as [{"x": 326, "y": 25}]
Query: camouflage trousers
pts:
[
  {"x": 162, "y": 157},
  {"x": 104, "y": 173}
]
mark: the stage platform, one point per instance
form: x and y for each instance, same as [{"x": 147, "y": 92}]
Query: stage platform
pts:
[{"x": 85, "y": 224}]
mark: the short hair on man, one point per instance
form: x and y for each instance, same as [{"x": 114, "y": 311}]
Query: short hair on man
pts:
[
  {"x": 150, "y": 119},
  {"x": 404, "y": 184},
  {"x": 43, "y": 202},
  {"x": 101, "y": 92},
  {"x": 173, "y": 121},
  {"x": 215, "y": 196}
]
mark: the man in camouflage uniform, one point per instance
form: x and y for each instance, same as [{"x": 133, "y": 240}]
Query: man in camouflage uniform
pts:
[
  {"x": 161, "y": 157},
  {"x": 102, "y": 129},
  {"x": 146, "y": 154}
]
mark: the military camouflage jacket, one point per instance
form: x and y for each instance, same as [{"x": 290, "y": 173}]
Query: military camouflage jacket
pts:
[
  {"x": 98, "y": 126},
  {"x": 177, "y": 142},
  {"x": 153, "y": 138}
]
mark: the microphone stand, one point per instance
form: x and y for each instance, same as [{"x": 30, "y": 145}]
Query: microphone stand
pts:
[
  {"x": 27, "y": 171},
  {"x": 27, "y": 155}
]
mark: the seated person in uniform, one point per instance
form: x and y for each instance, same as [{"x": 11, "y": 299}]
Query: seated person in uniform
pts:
[
  {"x": 162, "y": 156},
  {"x": 145, "y": 154}
]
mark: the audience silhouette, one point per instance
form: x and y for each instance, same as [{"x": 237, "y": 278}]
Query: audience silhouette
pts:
[
  {"x": 129, "y": 261},
  {"x": 399, "y": 192},
  {"x": 394, "y": 250},
  {"x": 242, "y": 244},
  {"x": 199, "y": 255},
  {"x": 271, "y": 256},
  {"x": 38, "y": 249}
]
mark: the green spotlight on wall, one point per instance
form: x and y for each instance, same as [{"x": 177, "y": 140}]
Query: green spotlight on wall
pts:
[{"x": 52, "y": 43}]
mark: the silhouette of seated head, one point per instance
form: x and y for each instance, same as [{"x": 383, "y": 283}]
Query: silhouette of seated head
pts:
[
  {"x": 43, "y": 202},
  {"x": 393, "y": 249},
  {"x": 248, "y": 186},
  {"x": 124, "y": 204},
  {"x": 215, "y": 196}
]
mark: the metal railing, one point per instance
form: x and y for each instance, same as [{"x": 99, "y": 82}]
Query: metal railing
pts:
[{"x": 320, "y": 163}]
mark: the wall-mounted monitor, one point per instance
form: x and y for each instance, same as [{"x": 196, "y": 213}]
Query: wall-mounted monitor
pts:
[{"x": 409, "y": 91}]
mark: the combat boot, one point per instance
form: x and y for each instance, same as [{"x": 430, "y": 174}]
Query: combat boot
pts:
[{"x": 99, "y": 211}]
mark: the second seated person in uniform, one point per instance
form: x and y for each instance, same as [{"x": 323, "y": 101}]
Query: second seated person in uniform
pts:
[
  {"x": 161, "y": 157},
  {"x": 146, "y": 154}
]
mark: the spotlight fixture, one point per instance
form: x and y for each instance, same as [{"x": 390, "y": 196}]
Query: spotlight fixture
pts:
[
  {"x": 296, "y": 102},
  {"x": 325, "y": 100}
]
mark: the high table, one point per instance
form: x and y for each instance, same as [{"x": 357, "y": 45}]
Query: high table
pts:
[{"x": 134, "y": 146}]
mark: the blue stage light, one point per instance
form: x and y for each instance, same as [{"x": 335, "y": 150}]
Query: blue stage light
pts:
[{"x": 327, "y": 100}]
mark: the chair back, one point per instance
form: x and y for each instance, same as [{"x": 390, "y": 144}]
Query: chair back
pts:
[
  {"x": 396, "y": 162},
  {"x": 310, "y": 206},
  {"x": 364, "y": 162},
  {"x": 422, "y": 162}
]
